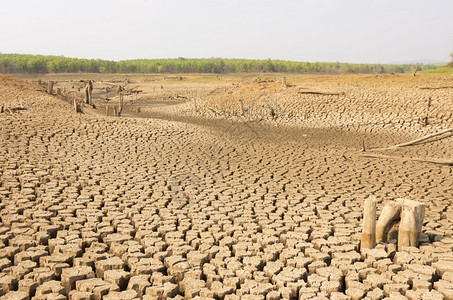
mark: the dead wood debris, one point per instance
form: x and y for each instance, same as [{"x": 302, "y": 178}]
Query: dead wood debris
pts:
[
  {"x": 414, "y": 142},
  {"x": 419, "y": 159},
  {"x": 320, "y": 93},
  {"x": 436, "y": 88}
]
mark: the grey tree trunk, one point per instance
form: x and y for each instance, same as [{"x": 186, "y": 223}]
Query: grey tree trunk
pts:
[{"x": 50, "y": 87}]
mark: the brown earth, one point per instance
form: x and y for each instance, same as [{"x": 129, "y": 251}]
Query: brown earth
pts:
[{"x": 204, "y": 199}]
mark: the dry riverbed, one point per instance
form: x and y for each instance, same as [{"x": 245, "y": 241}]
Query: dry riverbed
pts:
[{"x": 205, "y": 199}]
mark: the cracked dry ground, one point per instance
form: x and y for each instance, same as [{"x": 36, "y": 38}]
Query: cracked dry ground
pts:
[{"x": 111, "y": 208}]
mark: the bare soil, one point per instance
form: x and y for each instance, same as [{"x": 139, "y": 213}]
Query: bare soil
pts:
[{"x": 206, "y": 198}]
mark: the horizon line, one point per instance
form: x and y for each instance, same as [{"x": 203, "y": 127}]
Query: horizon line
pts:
[{"x": 412, "y": 62}]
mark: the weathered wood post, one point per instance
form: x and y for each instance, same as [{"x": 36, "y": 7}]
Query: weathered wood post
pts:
[
  {"x": 115, "y": 111},
  {"x": 59, "y": 91},
  {"x": 241, "y": 103},
  {"x": 87, "y": 97},
  {"x": 412, "y": 215},
  {"x": 284, "y": 82},
  {"x": 368, "y": 239},
  {"x": 195, "y": 104},
  {"x": 121, "y": 95},
  {"x": 88, "y": 90},
  {"x": 425, "y": 119},
  {"x": 120, "y": 107},
  {"x": 75, "y": 106},
  {"x": 390, "y": 214},
  {"x": 106, "y": 110},
  {"x": 50, "y": 87}
]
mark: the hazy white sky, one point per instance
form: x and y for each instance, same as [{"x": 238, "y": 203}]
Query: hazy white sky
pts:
[{"x": 369, "y": 31}]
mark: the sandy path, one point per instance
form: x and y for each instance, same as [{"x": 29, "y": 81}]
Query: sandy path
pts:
[{"x": 146, "y": 208}]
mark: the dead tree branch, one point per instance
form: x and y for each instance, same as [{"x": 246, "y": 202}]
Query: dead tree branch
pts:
[
  {"x": 414, "y": 142},
  {"x": 436, "y": 88},
  {"x": 427, "y": 160},
  {"x": 320, "y": 93}
]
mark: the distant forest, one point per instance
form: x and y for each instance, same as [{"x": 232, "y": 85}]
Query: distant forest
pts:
[{"x": 23, "y": 63}]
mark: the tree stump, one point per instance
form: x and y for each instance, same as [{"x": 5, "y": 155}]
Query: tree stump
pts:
[
  {"x": 50, "y": 87},
  {"x": 87, "y": 96},
  {"x": 425, "y": 119},
  {"x": 390, "y": 213},
  {"x": 407, "y": 212},
  {"x": 241, "y": 103},
  {"x": 411, "y": 223},
  {"x": 368, "y": 239},
  {"x": 195, "y": 104}
]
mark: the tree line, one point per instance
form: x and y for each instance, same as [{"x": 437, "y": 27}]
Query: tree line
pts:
[{"x": 25, "y": 63}]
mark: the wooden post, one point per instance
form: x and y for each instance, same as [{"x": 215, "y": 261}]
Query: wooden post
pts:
[
  {"x": 120, "y": 92},
  {"x": 120, "y": 106},
  {"x": 425, "y": 119},
  {"x": 90, "y": 90},
  {"x": 115, "y": 111},
  {"x": 75, "y": 106},
  {"x": 241, "y": 103},
  {"x": 50, "y": 87},
  {"x": 390, "y": 213},
  {"x": 106, "y": 110},
  {"x": 284, "y": 82},
  {"x": 87, "y": 97},
  {"x": 412, "y": 215},
  {"x": 58, "y": 91},
  {"x": 368, "y": 239}
]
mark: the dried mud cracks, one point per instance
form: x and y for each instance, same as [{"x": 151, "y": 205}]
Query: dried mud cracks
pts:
[{"x": 103, "y": 208}]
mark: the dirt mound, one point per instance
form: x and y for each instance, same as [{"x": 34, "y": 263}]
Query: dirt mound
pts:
[
  {"x": 13, "y": 82},
  {"x": 17, "y": 96}
]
